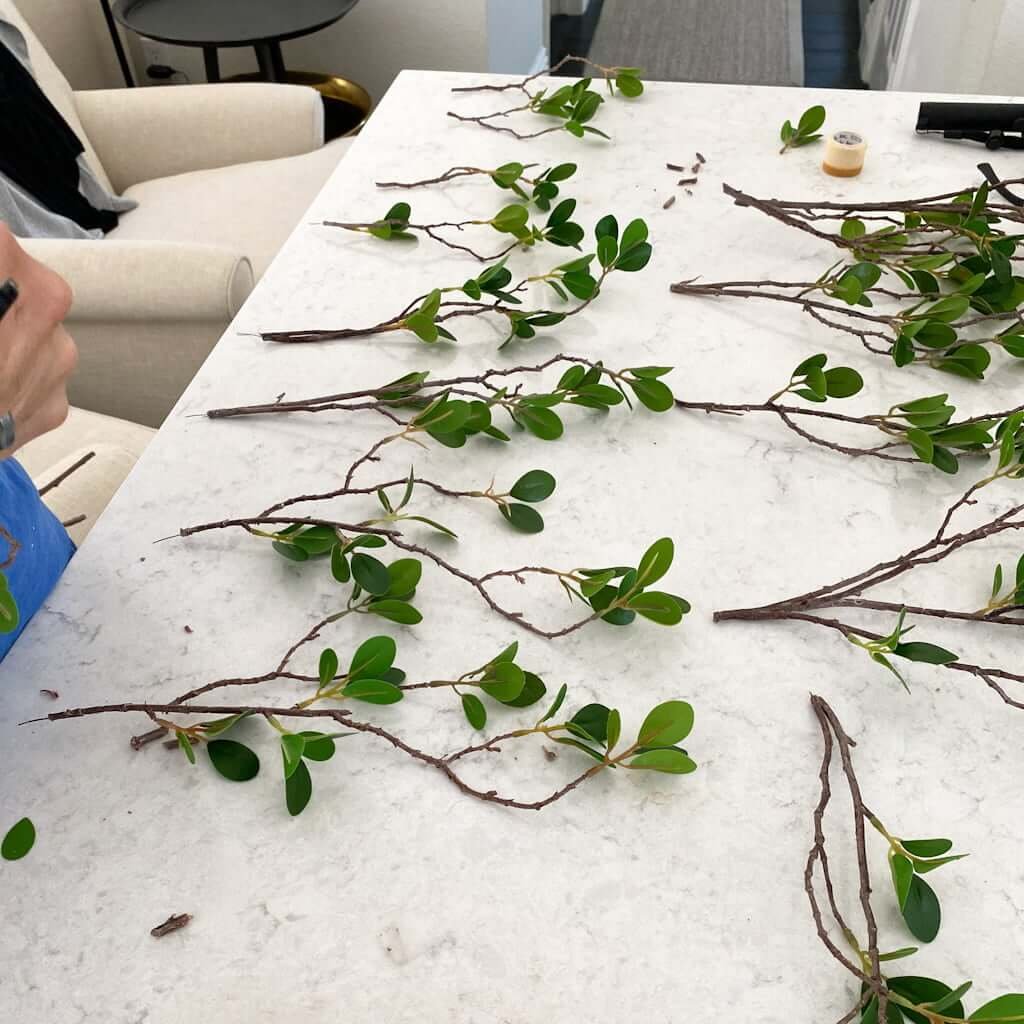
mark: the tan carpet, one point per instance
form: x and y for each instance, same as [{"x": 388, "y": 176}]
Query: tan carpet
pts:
[{"x": 757, "y": 42}]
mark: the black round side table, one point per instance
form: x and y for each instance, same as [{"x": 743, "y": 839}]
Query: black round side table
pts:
[{"x": 211, "y": 24}]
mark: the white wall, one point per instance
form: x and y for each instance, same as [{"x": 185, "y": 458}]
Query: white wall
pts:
[{"x": 961, "y": 46}]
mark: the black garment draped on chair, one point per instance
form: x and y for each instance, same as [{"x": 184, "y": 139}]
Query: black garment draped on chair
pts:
[{"x": 39, "y": 151}]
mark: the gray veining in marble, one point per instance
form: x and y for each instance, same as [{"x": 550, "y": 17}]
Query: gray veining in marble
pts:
[{"x": 393, "y": 899}]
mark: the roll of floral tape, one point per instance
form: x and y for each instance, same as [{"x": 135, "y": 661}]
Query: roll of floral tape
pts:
[{"x": 844, "y": 154}]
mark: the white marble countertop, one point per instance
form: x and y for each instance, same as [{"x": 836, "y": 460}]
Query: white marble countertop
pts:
[{"x": 392, "y": 898}]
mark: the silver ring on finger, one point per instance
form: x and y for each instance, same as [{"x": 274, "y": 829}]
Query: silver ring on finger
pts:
[{"x": 7, "y": 431}]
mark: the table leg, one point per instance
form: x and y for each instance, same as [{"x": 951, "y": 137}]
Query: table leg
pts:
[
  {"x": 268, "y": 65},
  {"x": 212, "y": 63}
]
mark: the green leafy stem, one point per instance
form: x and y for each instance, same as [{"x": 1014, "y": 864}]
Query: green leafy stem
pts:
[
  {"x": 572, "y": 106},
  {"x": 1004, "y": 605},
  {"x": 541, "y": 189},
  {"x": 921, "y": 430},
  {"x": 513, "y": 220},
  {"x": 427, "y": 315},
  {"x": 372, "y": 678},
  {"x": 806, "y": 130},
  {"x": 919, "y": 1000}
]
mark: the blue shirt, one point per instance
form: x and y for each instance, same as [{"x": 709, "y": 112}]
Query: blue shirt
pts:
[{"x": 45, "y": 548}]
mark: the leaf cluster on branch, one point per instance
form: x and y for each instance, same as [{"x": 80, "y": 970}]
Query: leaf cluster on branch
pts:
[
  {"x": 372, "y": 678},
  {"x": 543, "y": 187},
  {"x": 918, "y": 430},
  {"x": 427, "y": 316},
  {"x": 572, "y": 106},
  {"x": 942, "y": 266}
]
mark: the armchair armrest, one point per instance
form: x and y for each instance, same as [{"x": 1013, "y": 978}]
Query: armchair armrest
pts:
[
  {"x": 147, "y": 281},
  {"x": 145, "y": 316},
  {"x": 141, "y": 134}
]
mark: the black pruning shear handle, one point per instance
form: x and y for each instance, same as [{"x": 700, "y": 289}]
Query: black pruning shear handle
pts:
[{"x": 996, "y": 182}]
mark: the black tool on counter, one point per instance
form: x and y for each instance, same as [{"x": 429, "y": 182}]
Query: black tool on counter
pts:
[{"x": 997, "y": 125}]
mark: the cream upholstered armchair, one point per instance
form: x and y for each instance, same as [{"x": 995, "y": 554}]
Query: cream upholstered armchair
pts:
[{"x": 203, "y": 162}]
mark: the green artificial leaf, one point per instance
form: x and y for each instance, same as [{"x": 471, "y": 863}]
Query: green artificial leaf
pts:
[
  {"x": 927, "y": 991},
  {"x": 927, "y": 653},
  {"x": 902, "y": 870},
  {"x": 664, "y": 609},
  {"x": 555, "y": 705},
  {"x": 288, "y": 550},
  {"x": 633, "y": 235},
  {"x": 532, "y": 691},
  {"x": 298, "y": 788},
  {"x": 395, "y": 611},
  {"x": 473, "y": 707},
  {"x": 503, "y": 681},
  {"x": 629, "y": 86},
  {"x": 592, "y": 721},
  {"x": 607, "y": 226},
  {"x": 614, "y": 729},
  {"x": 656, "y": 561},
  {"x": 607, "y": 250},
  {"x": 542, "y": 423},
  {"x": 371, "y": 574},
  {"x": 19, "y": 840},
  {"x": 948, "y": 309},
  {"x": 903, "y": 350},
  {"x": 1011, "y": 1005},
  {"x": 927, "y": 847},
  {"x": 898, "y": 954},
  {"x": 221, "y": 725},
  {"x": 653, "y": 394},
  {"x": 842, "y": 382},
  {"x": 339, "y": 565},
  {"x": 372, "y": 657},
  {"x": 852, "y": 228},
  {"x": 921, "y": 910},
  {"x": 923, "y": 867},
  {"x": 597, "y": 755},
  {"x": 787, "y": 131},
  {"x": 811, "y": 120},
  {"x": 522, "y": 517},
  {"x": 666, "y": 759},
  {"x": 292, "y": 746},
  {"x": 635, "y": 259},
  {"x": 944, "y": 459},
  {"x": 511, "y": 219},
  {"x": 186, "y": 745},
  {"x": 235, "y": 761},
  {"x": 318, "y": 746},
  {"x": 399, "y": 212},
  {"x": 923, "y": 445},
  {"x": 536, "y": 485},
  {"x": 9, "y": 615},
  {"x": 373, "y": 691},
  {"x": 667, "y": 724},
  {"x": 328, "y": 668},
  {"x": 404, "y": 574},
  {"x": 572, "y": 378}
]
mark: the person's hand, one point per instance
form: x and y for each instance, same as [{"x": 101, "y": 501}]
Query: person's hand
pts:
[{"x": 37, "y": 356}]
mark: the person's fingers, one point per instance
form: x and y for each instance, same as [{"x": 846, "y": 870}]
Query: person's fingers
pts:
[{"x": 43, "y": 404}]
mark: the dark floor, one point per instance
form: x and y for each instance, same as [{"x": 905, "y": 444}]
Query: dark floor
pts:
[{"x": 831, "y": 39}]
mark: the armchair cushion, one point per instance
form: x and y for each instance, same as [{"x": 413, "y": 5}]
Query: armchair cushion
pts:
[
  {"x": 143, "y": 134},
  {"x": 117, "y": 445},
  {"x": 145, "y": 317},
  {"x": 252, "y": 207}
]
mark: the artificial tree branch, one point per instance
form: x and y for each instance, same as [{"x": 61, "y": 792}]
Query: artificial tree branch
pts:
[
  {"x": 949, "y": 253},
  {"x": 594, "y": 729},
  {"x": 1005, "y": 601},
  {"x": 432, "y": 231},
  {"x": 920, "y": 430},
  {"x": 885, "y": 997},
  {"x": 573, "y": 105},
  {"x": 426, "y": 316}
]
